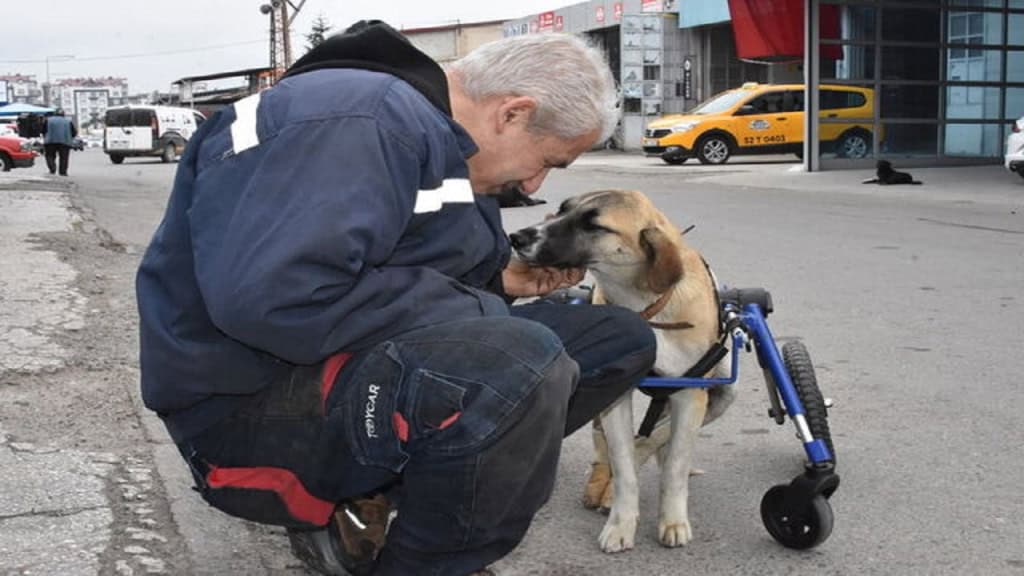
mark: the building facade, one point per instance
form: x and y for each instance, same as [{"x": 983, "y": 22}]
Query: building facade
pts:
[
  {"x": 453, "y": 41},
  {"x": 22, "y": 88},
  {"x": 947, "y": 75},
  {"x": 85, "y": 100}
]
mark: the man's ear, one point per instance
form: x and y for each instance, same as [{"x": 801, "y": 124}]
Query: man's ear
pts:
[
  {"x": 515, "y": 111},
  {"x": 664, "y": 265}
]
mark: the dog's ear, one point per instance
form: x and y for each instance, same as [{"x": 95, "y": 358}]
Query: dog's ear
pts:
[{"x": 664, "y": 265}]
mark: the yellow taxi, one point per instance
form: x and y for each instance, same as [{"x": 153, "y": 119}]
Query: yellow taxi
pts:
[{"x": 763, "y": 119}]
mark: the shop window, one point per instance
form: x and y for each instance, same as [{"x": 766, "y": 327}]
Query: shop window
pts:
[
  {"x": 910, "y": 102},
  {"x": 857, "y": 22},
  {"x": 911, "y": 24},
  {"x": 652, "y": 72},
  {"x": 1015, "y": 66},
  {"x": 1014, "y": 103},
  {"x": 986, "y": 66},
  {"x": 973, "y": 140},
  {"x": 911, "y": 139},
  {"x": 972, "y": 102},
  {"x": 910, "y": 63},
  {"x": 857, "y": 63},
  {"x": 978, "y": 3},
  {"x": 973, "y": 28},
  {"x": 1016, "y": 28}
]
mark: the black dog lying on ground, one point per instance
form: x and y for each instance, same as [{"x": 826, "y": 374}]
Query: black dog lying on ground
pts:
[
  {"x": 512, "y": 196},
  {"x": 885, "y": 175}
]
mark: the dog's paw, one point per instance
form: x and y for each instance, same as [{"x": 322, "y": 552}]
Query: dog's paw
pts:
[
  {"x": 617, "y": 536},
  {"x": 674, "y": 534},
  {"x": 598, "y": 484}
]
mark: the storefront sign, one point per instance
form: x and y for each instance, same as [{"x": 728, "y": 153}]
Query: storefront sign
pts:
[
  {"x": 651, "y": 5},
  {"x": 546, "y": 22},
  {"x": 599, "y": 14},
  {"x": 617, "y": 10}
]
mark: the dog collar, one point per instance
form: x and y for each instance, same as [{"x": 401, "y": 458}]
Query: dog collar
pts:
[{"x": 656, "y": 307}]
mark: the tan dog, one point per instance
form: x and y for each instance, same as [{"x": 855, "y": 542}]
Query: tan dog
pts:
[{"x": 639, "y": 261}]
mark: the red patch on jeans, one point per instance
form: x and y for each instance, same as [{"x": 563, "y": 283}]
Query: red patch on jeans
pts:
[
  {"x": 401, "y": 426},
  {"x": 449, "y": 421},
  {"x": 300, "y": 503},
  {"x": 332, "y": 366}
]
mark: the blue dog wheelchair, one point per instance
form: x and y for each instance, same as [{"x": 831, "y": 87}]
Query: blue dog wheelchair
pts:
[{"x": 798, "y": 514}]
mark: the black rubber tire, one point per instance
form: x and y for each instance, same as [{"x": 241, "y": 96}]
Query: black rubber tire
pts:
[
  {"x": 169, "y": 153},
  {"x": 798, "y": 527},
  {"x": 1020, "y": 171},
  {"x": 116, "y": 159},
  {"x": 854, "y": 144},
  {"x": 717, "y": 145},
  {"x": 5, "y": 162},
  {"x": 674, "y": 161},
  {"x": 801, "y": 372}
]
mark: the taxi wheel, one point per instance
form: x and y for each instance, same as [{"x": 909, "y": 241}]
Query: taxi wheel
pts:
[
  {"x": 714, "y": 149},
  {"x": 854, "y": 144}
]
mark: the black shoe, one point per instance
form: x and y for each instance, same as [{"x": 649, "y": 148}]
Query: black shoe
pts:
[{"x": 351, "y": 541}]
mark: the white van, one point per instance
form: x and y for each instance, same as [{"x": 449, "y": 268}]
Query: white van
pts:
[{"x": 148, "y": 131}]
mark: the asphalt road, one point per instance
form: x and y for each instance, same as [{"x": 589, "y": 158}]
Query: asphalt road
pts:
[{"x": 909, "y": 302}]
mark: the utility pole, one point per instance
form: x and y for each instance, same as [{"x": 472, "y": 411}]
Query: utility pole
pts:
[{"x": 280, "y": 33}]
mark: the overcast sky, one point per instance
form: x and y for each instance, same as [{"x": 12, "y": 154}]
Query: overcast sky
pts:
[{"x": 152, "y": 43}]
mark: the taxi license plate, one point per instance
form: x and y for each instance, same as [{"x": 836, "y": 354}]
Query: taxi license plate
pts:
[{"x": 117, "y": 144}]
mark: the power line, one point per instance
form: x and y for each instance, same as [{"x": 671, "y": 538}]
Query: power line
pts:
[{"x": 140, "y": 54}]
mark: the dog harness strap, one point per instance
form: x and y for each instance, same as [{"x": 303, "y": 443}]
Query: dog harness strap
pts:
[
  {"x": 659, "y": 396},
  {"x": 654, "y": 411}
]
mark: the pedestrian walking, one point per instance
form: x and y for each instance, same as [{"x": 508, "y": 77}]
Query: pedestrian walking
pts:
[{"x": 60, "y": 134}]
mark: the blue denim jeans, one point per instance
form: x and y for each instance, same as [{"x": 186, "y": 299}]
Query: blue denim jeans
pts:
[{"x": 464, "y": 420}]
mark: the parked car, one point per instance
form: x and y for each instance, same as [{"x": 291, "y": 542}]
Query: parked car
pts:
[
  {"x": 1015, "y": 148},
  {"x": 148, "y": 131},
  {"x": 763, "y": 119},
  {"x": 16, "y": 152}
]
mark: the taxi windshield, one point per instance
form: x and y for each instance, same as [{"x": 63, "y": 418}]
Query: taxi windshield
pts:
[{"x": 721, "y": 102}]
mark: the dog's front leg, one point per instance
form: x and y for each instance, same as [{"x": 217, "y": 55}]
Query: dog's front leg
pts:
[
  {"x": 619, "y": 530},
  {"x": 688, "y": 408}
]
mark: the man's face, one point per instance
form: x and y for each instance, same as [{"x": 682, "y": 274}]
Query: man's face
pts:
[{"x": 512, "y": 155}]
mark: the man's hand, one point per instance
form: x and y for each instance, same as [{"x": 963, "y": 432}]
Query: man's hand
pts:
[{"x": 522, "y": 280}]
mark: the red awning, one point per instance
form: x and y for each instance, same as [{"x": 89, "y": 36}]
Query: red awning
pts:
[{"x": 773, "y": 30}]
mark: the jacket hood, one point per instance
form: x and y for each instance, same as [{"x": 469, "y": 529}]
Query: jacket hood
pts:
[{"x": 373, "y": 45}]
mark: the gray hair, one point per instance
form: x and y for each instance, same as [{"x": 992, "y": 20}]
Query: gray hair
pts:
[{"x": 569, "y": 78}]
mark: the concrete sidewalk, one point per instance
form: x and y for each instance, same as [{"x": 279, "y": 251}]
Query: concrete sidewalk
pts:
[{"x": 979, "y": 184}]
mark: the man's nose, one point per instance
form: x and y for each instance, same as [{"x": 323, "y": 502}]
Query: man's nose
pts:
[
  {"x": 533, "y": 184},
  {"x": 523, "y": 238}
]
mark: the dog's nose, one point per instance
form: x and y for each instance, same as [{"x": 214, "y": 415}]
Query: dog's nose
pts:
[{"x": 523, "y": 238}]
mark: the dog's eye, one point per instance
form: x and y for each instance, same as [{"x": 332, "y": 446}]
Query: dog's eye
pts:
[{"x": 589, "y": 222}]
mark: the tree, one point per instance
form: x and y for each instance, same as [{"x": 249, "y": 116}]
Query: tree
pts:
[{"x": 318, "y": 33}]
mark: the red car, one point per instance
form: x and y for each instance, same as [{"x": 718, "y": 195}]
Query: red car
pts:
[{"x": 15, "y": 152}]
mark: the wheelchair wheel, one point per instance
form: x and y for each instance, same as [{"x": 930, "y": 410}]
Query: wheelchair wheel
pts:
[
  {"x": 794, "y": 522},
  {"x": 801, "y": 372}
]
